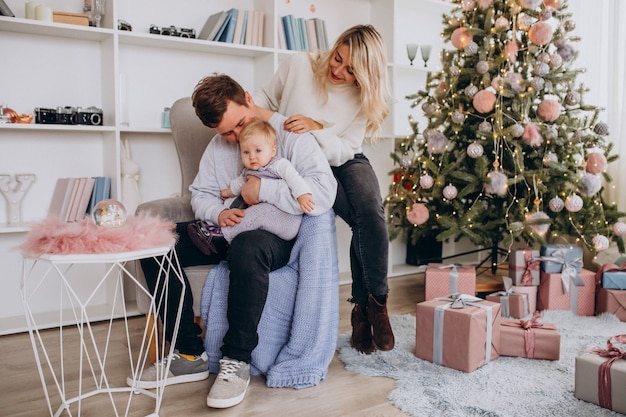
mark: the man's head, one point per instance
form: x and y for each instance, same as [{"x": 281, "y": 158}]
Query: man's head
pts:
[{"x": 221, "y": 103}]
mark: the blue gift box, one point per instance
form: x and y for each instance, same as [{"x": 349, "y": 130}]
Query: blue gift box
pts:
[
  {"x": 562, "y": 254},
  {"x": 614, "y": 280}
]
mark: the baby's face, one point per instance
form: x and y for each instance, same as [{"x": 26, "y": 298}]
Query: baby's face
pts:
[{"x": 256, "y": 152}]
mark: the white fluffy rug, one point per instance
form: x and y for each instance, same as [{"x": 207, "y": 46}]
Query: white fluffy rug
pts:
[{"x": 508, "y": 386}]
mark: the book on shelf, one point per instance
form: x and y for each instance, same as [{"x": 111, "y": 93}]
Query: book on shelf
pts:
[
  {"x": 241, "y": 18},
  {"x": 320, "y": 31},
  {"x": 282, "y": 43},
  {"x": 290, "y": 40},
  {"x": 229, "y": 28},
  {"x": 79, "y": 186},
  {"x": 5, "y": 10},
  {"x": 222, "y": 33},
  {"x": 101, "y": 191},
  {"x": 260, "y": 27},
  {"x": 249, "y": 28},
  {"x": 311, "y": 35},
  {"x": 213, "y": 25},
  {"x": 302, "y": 33},
  {"x": 70, "y": 198},
  {"x": 61, "y": 197},
  {"x": 82, "y": 198}
]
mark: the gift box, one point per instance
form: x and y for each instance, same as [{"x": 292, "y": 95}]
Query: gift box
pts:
[
  {"x": 461, "y": 333},
  {"x": 601, "y": 379},
  {"x": 442, "y": 280},
  {"x": 611, "y": 301},
  {"x": 531, "y": 292},
  {"x": 576, "y": 292},
  {"x": 513, "y": 304},
  {"x": 524, "y": 265},
  {"x": 558, "y": 257},
  {"x": 612, "y": 277},
  {"x": 530, "y": 339}
]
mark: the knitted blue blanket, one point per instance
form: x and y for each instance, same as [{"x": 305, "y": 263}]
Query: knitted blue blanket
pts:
[{"x": 298, "y": 328}]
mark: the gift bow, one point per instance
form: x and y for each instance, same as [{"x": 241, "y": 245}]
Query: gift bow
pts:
[
  {"x": 614, "y": 353},
  {"x": 531, "y": 263},
  {"x": 454, "y": 275},
  {"x": 608, "y": 268},
  {"x": 504, "y": 297},
  {"x": 569, "y": 270}
]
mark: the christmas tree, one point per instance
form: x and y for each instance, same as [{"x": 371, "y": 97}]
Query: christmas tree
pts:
[{"x": 511, "y": 151}]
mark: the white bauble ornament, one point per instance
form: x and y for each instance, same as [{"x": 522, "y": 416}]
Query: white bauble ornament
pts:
[
  {"x": 551, "y": 133},
  {"x": 600, "y": 242},
  {"x": 471, "y": 90},
  {"x": 540, "y": 229},
  {"x": 496, "y": 184},
  {"x": 529, "y": 4},
  {"x": 426, "y": 181},
  {"x": 450, "y": 192},
  {"x": 550, "y": 157},
  {"x": 455, "y": 71},
  {"x": 537, "y": 83},
  {"x": 517, "y": 130},
  {"x": 573, "y": 203},
  {"x": 475, "y": 150},
  {"x": 482, "y": 67},
  {"x": 458, "y": 117},
  {"x": 468, "y": 5},
  {"x": 485, "y": 126},
  {"x": 590, "y": 184},
  {"x": 619, "y": 229},
  {"x": 556, "y": 204},
  {"x": 406, "y": 161},
  {"x": 541, "y": 69}
]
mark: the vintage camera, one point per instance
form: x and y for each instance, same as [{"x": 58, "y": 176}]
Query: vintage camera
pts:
[
  {"x": 187, "y": 33},
  {"x": 45, "y": 115},
  {"x": 88, "y": 116},
  {"x": 124, "y": 25},
  {"x": 173, "y": 31},
  {"x": 65, "y": 115}
]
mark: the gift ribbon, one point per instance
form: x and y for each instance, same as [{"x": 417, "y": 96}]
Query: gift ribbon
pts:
[
  {"x": 614, "y": 353},
  {"x": 505, "y": 297},
  {"x": 453, "y": 277},
  {"x": 569, "y": 269},
  {"x": 608, "y": 268},
  {"x": 459, "y": 301},
  {"x": 529, "y": 332},
  {"x": 531, "y": 263}
]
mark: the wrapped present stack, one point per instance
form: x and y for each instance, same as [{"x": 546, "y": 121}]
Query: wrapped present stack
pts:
[
  {"x": 461, "y": 332},
  {"x": 563, "y": 283},
  {"x": 600, "y": 375},
  {"x": 611, "y": 294},
  {"x": 524, "y": 270},
  {"x": 441, "y": 280},
  {"x": 514, "y": 304}
]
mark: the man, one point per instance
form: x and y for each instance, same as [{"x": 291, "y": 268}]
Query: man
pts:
[{"x": 221, "y": 103}]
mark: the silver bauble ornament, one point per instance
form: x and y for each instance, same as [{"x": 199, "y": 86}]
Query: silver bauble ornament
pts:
[
  {"x": 544, "y": 57},
  {"x": 471, "y": 48},
  {"x": 541, "y": 69},
  {"x": 485, "y": 126},
  {"x": 482, "y": 67},
  {"x": 551, "y": 133},
  {"x": 450, "y": 192},
  {"x": 600, "y": 242},
  {"x": 426, "y": 181},
  {"x": 572, "y": 98},
  {"x": 406, "y": 161},
  {"x": 455, "y": 71},
  {"x": 569, "y": 25},
  {"x": 458, "y": 117},
  {"x": 471, "y": 90},
  {"x": 590, "y": 184},
  {"x": 556, "y": 204},
  {"x": 555, "y": 61},
  {"x": 550, "y": 157},
  {"x": 619, "y": 229},
  {"x": 475, "y": 150},
  {"x": 517, "y": 130},
  {"x": 601, "y": 128},
  {"x": 573, "y": 203},
  {"x": 540, "y": 229},
  {"x": 537, "y": 83},
  {"x": 496, "y": 184}
]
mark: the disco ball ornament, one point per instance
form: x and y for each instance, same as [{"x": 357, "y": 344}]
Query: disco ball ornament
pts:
[
  {"x": 450, "y": 192},
  {"x": 109, "y": 213},
  {"x": 540, "y": 229},
  {"x": 475, "y": 150},
  {"x": 600, "y": 242},
  {"x": 556, "y": 204},
  {"x": 619, "y": 229},
  {"x": 426, "y": 182},
  {"x": 573, "y": 203}
]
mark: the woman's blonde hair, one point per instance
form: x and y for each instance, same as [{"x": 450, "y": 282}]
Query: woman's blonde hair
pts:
[{"x": 369, "y": 66}]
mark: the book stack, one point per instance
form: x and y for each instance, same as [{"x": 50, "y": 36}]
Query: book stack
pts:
[
  {"x": 238, "y": 26},
  {"x": 73, "y": 198},
  {"x": 299, "y": 34}
]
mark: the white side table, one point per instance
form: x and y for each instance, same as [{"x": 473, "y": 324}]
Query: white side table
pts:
[{"x": 78, "y": 297}]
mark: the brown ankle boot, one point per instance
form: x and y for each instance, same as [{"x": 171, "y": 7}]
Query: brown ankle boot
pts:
[
  {"x": 361, "y": 338},
  {"x": 382, "y": 334}
]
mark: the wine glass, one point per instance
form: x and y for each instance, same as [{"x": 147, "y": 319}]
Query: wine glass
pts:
[
  {"x": 411, "y": 51},
  {"x": 425, "y": 49}
]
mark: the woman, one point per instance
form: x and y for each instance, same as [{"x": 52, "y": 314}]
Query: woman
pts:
[{"x": 340, "y": 96}]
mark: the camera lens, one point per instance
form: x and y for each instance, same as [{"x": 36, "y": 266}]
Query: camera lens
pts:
[{"x": 96, "y": 119}]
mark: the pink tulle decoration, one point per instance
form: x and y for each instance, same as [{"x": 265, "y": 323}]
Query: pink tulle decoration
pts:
[
  {"x": 549, "y": 110},
  {"x": 596, "y": 163},
  {"x": 460, "y": 38},
  {"x": 418, "y": 214},
  {"x": 532, "y": 136},
  {"x": 510, "y": 51},
  {"x": 540, "y": 33},
  {"x": 54, "y": 236},
  {"x": 484, "y": 101}
]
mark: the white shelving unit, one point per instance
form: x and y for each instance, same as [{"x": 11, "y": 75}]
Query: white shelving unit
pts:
[{"x": 132, "y": 76}]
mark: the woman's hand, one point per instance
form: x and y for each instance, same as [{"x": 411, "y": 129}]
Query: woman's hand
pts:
[{"x": 301, "y": 124}]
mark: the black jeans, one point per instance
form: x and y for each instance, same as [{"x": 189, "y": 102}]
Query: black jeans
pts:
[
  {"x": 251, "y": 256},
  {"x": 359, "y": 204}
]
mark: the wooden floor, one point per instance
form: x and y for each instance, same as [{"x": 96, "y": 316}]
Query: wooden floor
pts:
[{"x": 342, "y": 393}]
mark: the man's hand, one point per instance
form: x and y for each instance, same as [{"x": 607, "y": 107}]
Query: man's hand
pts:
[
  {"x": 230, "y": 217},
  {"x": 251, "y": 189},
  {"x": 301, "y": 124}
]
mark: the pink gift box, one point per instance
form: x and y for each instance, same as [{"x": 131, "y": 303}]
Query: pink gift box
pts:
[
  {"x": 611, "y": 301},
  {"x": 541, "y": 341},
  {"x": 587, "y": 388},
  {"x": 512, "y": 304},
  {"x": 459, "y": 338},
  {"x": 441, "y": 280},
  {"x": 579, "y": 299},
  {"x": 531, "y": 292},
  {"x": 524, "y": 267}
]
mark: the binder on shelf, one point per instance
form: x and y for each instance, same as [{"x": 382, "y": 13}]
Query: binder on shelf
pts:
[{"x": 213, "y": 25}]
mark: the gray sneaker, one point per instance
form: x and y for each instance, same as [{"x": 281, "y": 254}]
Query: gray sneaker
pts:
[
  {"x": 230, "y": 384},
  {"x": 181, "y": 370}
]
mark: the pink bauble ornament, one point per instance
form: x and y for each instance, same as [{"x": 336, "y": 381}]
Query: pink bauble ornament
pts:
[
  {"x": 556, "y": 204},
  {"x": 600, "y": 242},
  {"x": 484, "y": 101},
  {"x": 426, "y": 181},
  {"x": 596, "y": 163},
  {"x": 484, "y": 4},
  {"x": 549, "y": 110},
  {"x": 552, "y": 4},
  {"x": 573, "y": 203},
  {"x": 542, "y": 228},
  {"x": 496, "y": 184},
  {"x": 532, "y": 136},
  {"x": 510, "y": 51},
  {"x": 502, "y": 23},
  {"x": 418, "y": 214},
  {"x": 460, "y": 38},
  {"x": 529, "y": 4},
  {"x": 468, "y": 4},
  {"x": 619, "y": 229},
  {"x": 450, "y": 192},
  {"x": 475, "y": 150}
]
